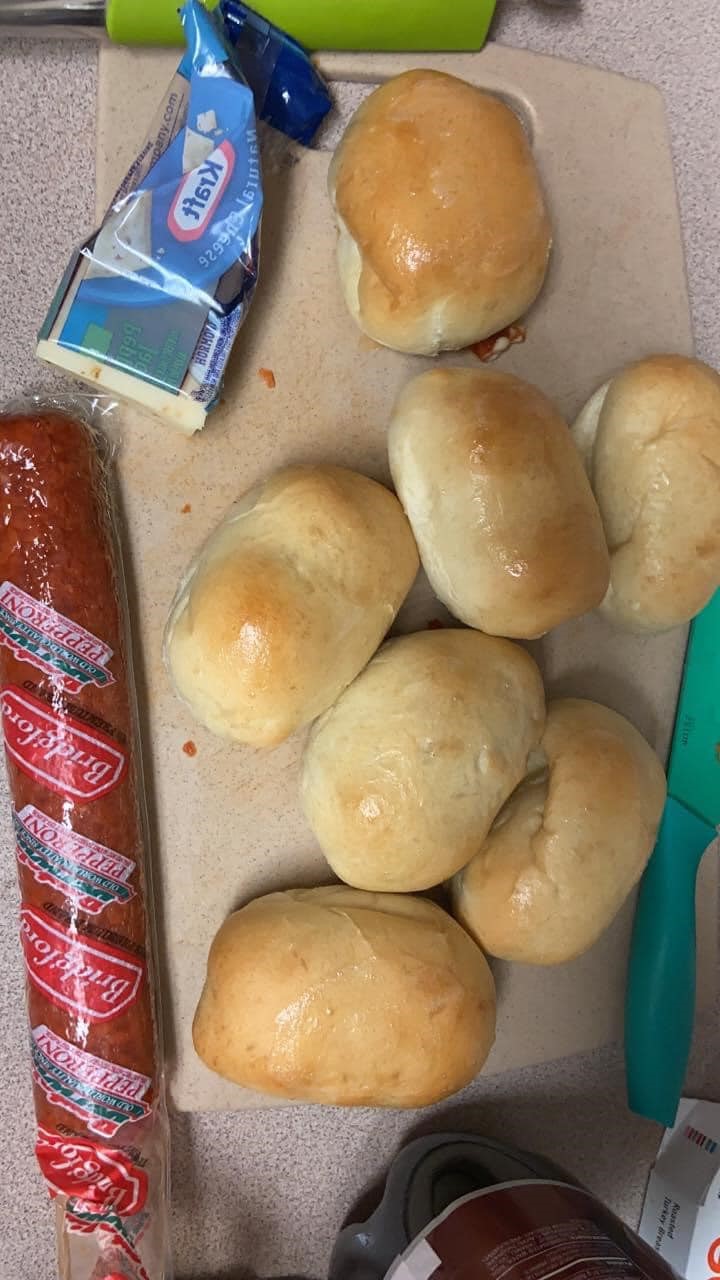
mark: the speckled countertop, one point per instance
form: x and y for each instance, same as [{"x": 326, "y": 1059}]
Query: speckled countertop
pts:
[{"x": 263, "y": 1193}]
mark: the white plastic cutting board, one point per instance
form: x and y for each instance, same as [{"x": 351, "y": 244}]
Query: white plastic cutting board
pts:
[{"x": 227, "y": 820}]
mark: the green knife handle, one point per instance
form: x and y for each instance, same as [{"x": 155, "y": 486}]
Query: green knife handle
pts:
[
  {"x": 146, "y": 21},
  {"x": 325, "y": 24},
  {"x": 660, "y": 1003}
]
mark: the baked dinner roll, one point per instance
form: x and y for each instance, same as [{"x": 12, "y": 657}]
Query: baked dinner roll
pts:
[
  {"x": 508, "y": 531},
  {"x": 569, "y": 844},
  {"x": 289, "y": 597},
  {"x": 650, "y": 439},
  {"x": 443, "y": 232},
  {"x": 354, "y": 999},
  {"x": 403, "y": 776}
]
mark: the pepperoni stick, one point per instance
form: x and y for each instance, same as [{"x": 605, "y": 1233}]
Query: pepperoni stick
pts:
[{"x": 69, "y": 724}]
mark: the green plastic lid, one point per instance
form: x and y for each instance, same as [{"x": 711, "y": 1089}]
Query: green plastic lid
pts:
[{"x": 326, "y": 24}]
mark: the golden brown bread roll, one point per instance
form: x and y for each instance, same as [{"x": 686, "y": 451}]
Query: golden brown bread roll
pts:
[
  {"x": 288, "y": 599},
  {"x": 354, "y": 999},
  {"x": 403, "y": 776},
  {"x": 570, "y": 843},
  {"x": 507, "y": 528},
  {"x": 650, "y": 439},
  {"x": 443, "y": 232}
]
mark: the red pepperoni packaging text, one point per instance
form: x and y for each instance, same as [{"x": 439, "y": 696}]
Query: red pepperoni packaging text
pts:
[{"x": 70, "y": 733}]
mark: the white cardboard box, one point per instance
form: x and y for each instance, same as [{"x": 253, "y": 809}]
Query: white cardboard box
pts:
[{"x": 681, "y": 1213}]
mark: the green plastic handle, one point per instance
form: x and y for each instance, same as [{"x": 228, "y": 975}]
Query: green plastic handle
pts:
[
  {"x": 326, "y": 24},
  {"x": 660, "y": 1002}
]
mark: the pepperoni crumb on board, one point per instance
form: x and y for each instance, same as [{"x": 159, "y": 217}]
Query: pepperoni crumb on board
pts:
[
  {"x": 186, "y": 509},
  {"x": 492, "y": 347},
  {"x": 268, "y": 377},
  {"x": 435, "y": 625},
  {"x": 189, "y": 748}
]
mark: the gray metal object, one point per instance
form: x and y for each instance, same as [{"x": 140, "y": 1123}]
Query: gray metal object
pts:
[
  {"x": 50, "y": 13},
  {"x": 427, "y": 1177}
]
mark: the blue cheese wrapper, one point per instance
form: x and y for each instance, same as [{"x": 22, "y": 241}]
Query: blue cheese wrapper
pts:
[{"x": 150, "y": 305}]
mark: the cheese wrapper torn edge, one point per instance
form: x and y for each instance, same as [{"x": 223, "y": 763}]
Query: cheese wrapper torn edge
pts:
[
  {"x": 86, "y": 918},
  {"x": 150, "y": 305}
]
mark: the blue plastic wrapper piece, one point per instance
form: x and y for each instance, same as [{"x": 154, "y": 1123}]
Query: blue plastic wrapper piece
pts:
[
  {"x": 290, "y": 94},
  {"x": 150, "y": 305}
]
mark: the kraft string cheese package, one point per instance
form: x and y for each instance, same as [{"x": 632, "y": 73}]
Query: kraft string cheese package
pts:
[
  {"x": 150, "y": 305},
  {"x": 681, "y": 1213}
]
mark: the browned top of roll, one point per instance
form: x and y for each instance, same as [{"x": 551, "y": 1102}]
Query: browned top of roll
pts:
[
  {"x": 508, "y": 531},
  {"x": 650, "y": 439},
  {"x": 435, "y": 183}
]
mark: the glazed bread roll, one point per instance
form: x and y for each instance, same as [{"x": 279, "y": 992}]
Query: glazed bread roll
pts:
[
  {"x": 650, "y": 439},
  {"x": 403, "y": 776},
  {"x": 354, "y": 999},
  {"x": 508, "y": 531},
  {"x": 443, "y": 232},
  {"x": 289, "y": 598},
  {"x": 570, "y": 843}
]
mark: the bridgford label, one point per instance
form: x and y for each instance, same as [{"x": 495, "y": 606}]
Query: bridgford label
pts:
[
  {"x": 100, "y": 1178},
  {"x": 35, "y": 633},
  {"x": 115, "y": 1239},
  {"x": 101, "y": 1094},
  {"x": 89, "y": 873},
  {"x": 57, "y": 750},
  {"x": 93, "y": 980}
]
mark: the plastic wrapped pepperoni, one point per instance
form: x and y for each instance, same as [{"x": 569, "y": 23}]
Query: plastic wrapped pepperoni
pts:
[{"x": 70, "y": 731}]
